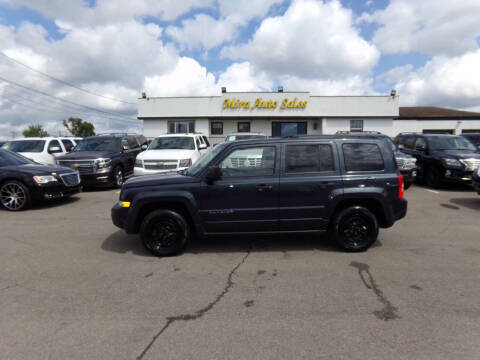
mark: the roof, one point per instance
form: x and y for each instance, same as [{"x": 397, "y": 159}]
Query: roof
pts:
[
  {"x": 180, "y": 135},
  {"x": 433, "y": 112}
]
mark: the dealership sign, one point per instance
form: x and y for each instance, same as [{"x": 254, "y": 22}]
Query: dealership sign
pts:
[{"x": 285, "y": 104}]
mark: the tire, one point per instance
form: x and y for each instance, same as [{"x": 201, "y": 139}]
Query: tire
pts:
[
  {"x": 118, "y": 177},
  {"x": 164, "y": 232},
  {"x": 407, "y": 184},
  {"x": 14, "y": 196},
  {"x": 432, "y": 177},
  {"x": 354, "y": 229}
]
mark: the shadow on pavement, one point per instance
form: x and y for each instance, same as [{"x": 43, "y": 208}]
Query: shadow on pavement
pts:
[
  {"x": 448, "y": 187},
  {"x": 54, "y": 203},
  {"x": 472, "y": 203},
  {"x": 122, "y": 243}
]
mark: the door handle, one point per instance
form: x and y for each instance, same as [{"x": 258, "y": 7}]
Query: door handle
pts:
[
  {"x": 264, "y": 187},
  {"x": 325, "y": 184}
]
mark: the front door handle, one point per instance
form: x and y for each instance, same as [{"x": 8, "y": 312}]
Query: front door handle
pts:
[{"x": 264, "y": 187}]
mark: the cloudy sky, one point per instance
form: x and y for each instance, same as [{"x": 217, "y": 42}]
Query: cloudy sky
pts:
[{"x": 92, "y": 59}]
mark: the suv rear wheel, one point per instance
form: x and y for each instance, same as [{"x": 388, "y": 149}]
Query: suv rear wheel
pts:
[
  {"x": 164, "y": 232},
  {"x": 354, "y": 228}
]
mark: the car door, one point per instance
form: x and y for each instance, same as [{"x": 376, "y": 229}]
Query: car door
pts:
[
  {"x": 245, "y": 198},
  {"x": 419, "y": 151},
  {"x": 309, "y": 174},
  {"x": 130, "y": 151}
]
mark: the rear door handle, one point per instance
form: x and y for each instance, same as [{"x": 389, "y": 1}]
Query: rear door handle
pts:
[{"x": 264, "y": 187}]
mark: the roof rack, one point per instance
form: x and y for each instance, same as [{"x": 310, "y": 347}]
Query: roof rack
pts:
[
  {"x": 346, "y": 132},
  {"x": 408, "y": 133},
  {"x": 116, "y": 134}
]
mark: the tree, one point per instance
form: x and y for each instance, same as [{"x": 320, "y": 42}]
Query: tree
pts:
[
  {"x": 78, "y": 127},
  {"x": 34, "y": 131}
]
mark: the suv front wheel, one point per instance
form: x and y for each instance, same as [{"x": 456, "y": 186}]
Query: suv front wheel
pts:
[
  {"x": 164, "y": 232},
  {"x": 118, "y": 177},
  {"x": 354, "y": 228}
]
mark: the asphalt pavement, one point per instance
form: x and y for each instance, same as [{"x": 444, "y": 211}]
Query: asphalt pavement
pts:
[{"x": 73, "y": 286}]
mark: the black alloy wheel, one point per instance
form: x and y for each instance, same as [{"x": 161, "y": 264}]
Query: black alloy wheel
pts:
[
  {"x": 164, "y": 232},
  {"x": 355, "y": 228},
  {"x": 14, "y": 196},
  {"x": 118, "y": 177},
  {"x": 433, "y": 177}
]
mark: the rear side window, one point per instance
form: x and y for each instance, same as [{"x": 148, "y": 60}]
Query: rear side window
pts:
[
  {"x": 309, "y": 158},
  {"x": 68, "y": 144},
  {"x": 362, "y": 157}
]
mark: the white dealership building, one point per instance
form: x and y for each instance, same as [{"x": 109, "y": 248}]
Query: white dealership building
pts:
[{"x": 287, "y": 113}]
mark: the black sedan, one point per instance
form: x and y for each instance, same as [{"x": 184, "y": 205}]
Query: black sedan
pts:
[{"x": 23, "y": 181}]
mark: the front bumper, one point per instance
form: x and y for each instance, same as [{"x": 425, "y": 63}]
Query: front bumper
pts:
[
  {"x": 454, "y": 175},
  {"x": 476, "y": 182},
  {"x": 138, "y": 171},
  {"x": 409, "y": 175},
  {"x": 97, "y": 179},
  {"x": 54, "y": 192},
  {"x": 119, "y": 216}
]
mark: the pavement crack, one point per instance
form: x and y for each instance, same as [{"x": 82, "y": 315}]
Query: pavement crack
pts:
[
  {"x": 388, "y": 312},
  {"x": 199, "y": 313}
]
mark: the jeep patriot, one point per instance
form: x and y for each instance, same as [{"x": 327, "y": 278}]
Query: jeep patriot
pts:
[{"x": 346, "y": 185}]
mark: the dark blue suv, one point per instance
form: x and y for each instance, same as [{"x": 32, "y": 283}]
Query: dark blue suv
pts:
[{"x": 347, "y": 185}]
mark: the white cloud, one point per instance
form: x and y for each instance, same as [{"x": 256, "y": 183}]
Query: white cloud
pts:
[
  {"x": 312, "y": 39},
  {"x": 452, "y": 82},
  {"x": 395, "y": 74},
  {"x": 352, "y": 85},
  {"x": 432, "y": 27},
  {"x": 242, "y": 77},
  {"x": 205, "y": 32}
]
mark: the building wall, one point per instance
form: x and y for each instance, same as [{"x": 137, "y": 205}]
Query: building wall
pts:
[{"x": 332, "y": 125}]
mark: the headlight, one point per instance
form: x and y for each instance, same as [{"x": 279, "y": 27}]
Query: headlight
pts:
[
  {"x": 138, "y": 163},
  {"x": 454, "y": 163},
  {"x": 103, "y": 163},
  {"x": 45, "y": 179},
  {"x": 185, "y": 163}
]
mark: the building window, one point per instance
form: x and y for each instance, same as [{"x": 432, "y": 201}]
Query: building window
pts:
[
  {"x": 356, "y": 125},
  {"x": 289, "y": 128},
  {"x": 243, "y": 127},
  {"x": 181, "y": 127},
  {"x": 216, "y": 128}
]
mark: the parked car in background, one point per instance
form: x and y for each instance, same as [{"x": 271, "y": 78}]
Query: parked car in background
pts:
[
  {"x": 103, "y": 160},
  {"x": 406, "y": 164},
  {"x": 476, "y": 180},
  {"x": 474, "y": 138},
  {"x": 23, "y": 181},
  {"x": 43, "y": 150},
  {"x": 69, "y": 142},
  {"x": 244, "y": 136},
  {"x": 171, "y": 152},
  {"x": 347, "y": 185},
  {"x": 441, "y": 157},
  {"x": 2, "y": 143}
]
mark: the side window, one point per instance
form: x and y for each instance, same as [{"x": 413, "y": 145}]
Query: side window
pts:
[
  {"x": 125, "y": 144},
  {"x": 206, "y": 141},
  {"x": 409, "y": 141},
  {"x": 362, "y": 157},
  {"x": 309, "y": 158},
  {"x": 68, "y": 144},
  {"x": 132, "y": 142},
  {"x": 197, "y": 141},
  {"x": 54, "y": 144},
  {"x": 216, "y": 128},
  {"x": 420, "y": 143},
  {"x": 259, "y": 161}
]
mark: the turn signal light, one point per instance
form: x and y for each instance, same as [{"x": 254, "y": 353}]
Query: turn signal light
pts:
[
  {"x": 125, "y": 204},
  {"x": 400, "y": 186}
]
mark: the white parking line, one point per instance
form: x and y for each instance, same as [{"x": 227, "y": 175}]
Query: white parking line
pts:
[{"x": 433, "y": 191}]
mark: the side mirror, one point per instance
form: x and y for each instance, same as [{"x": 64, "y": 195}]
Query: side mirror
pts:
[
  {"x": 401, "y": 147},
  {"x": 54, "y": 149},
  {"x": 213, "y": 173},
  {"x": 124, "y": 147},
  {"x": 144, "y": 147},
  {"x": 420, "y": 148},
  {"x": 202, "y": 147}
]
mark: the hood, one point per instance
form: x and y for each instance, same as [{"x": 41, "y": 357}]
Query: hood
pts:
[
  {"x": 37, "y": 169},
  {"x": 457, "y": 154},
  {"x": 86, "y": 155},
  {"x": 166, "y": 154},
  {"x": 166, "y": 178}
]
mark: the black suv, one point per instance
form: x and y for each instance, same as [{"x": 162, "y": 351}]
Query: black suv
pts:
[
  {"x": 348, "y": 185},
  {"x": 104, "y": 159},
  {"x": 441, "y": 157}
]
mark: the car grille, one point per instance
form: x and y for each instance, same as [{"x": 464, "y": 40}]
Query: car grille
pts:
[
  {"x": 471, "y": 164},
  {"x": 246, "y": 162},
  {"x": 70, "y": 179},
  {"x": 406, "y": 164},
  {"x": 83, "y": 166},
  {"x": 160, "y": 164}
]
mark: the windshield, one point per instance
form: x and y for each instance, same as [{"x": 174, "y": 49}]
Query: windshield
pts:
[
  {"x": 204, "y": 160},
  {"x": 172, "y": 142},
  {"x": 98, "y": 144},
  {"x": 8, "y": 158},
  {"x": 391, "y": 143},
  {"x": 475, "y": 139},
  {"x": 243, "y": 137},
  {"x": 25, "y": 145},
  {"x": 450, "y": 143}
]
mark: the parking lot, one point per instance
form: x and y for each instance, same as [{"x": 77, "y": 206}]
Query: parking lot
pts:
[{"x": 73, "y": 286}]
